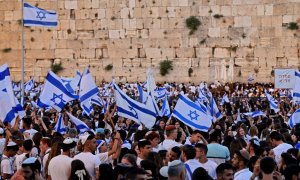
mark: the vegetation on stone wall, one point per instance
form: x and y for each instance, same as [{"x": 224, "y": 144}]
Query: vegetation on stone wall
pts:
[
  {"x": 190, "y": 72},
  {"x": 240, "y": 73},
  {"x": 56, "y": 67},
  {"x": 192, "y": 23},
  {"x": 165, "y": 66},
  {"x": 272, "y": 73},
  {"x": 6, "y": 50},
  {"x": 256, "y": 70},
  {"x": 108, "y": 67},
  {"x": 218, "y": 16},
  {"x": 293, "y": 26}
]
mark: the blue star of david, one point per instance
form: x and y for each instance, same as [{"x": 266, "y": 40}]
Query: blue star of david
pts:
[
  {"x": 60, "y": 101},
  {"x": 4, "y": 90},
  {"x": 193, "y": 115},
  {"x": 41, "y": 15},
  {"x": 133, "y": 112}
]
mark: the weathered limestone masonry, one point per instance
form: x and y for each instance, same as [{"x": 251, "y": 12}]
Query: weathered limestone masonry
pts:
[{"x": 236, "y": 38}]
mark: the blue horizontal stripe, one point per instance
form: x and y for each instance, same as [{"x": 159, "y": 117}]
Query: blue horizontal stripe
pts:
[
  {"x": 296, "y": 94},
  {"x": 297, "y": 74},
  {"x": 41, "y": 104},
  {"x": 129, "y": 113},
  {"x": 189, "y": 122},
  {"x": 4, "y": 74},
  {"x": 133, "y": 104},
  {"x": 193, "y": 105},
  {"x": 43, "y": 23},
  {"x": 81, "y": 127},
  {"x": 10, "y": 116},
  {"x": 89, "y": 94}
]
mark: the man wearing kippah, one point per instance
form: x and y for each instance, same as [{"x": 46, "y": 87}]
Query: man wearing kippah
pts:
[
  {"x": 60, "y": 166},
  {"x": 6, "y": 162},
  {"x": 169, "y": 142}
]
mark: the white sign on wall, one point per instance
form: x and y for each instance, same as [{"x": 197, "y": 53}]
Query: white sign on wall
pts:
[{"x": 284, "y": 78}]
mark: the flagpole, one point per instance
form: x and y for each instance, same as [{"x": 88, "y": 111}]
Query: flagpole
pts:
[{"x": 22, "y": 60}]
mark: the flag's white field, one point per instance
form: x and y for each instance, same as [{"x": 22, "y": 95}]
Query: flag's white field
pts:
[
  {"x": 294, "y": 119},
  {"x": 134, "y": 110},
  {"x": 191, "y": 114},
  {"x": 54, "y": 93},
  {"x": 34, "y": 16},
  {"x": 142, "y": 94}
]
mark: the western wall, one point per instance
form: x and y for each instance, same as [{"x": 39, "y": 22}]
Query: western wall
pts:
[{"x": 124, "y": 38}]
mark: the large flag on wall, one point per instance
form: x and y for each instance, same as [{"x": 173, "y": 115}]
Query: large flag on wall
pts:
[{"x": 34, "y": 16}]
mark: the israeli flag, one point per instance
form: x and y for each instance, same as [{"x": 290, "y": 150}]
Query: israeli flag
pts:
[
  {"x": 80, "y": 126},
  {"x": 296, "y": 90},
  {"x": 165, "y": 111},
  {"x": 255, "y": 114},
  {"x": 134, "y": 110},
  {"x": 250, "y": 79},
  {"x": 142, "y": 94},
  {"x": 10, "y": 106},
  {"x": 160, "y": 93},
  {"x": 88, "y": 92},
  {"x": 54, "y": 93},
  {"x": 60, "y": 126},
  {"x": 238, "y": 117},
  {"x": 202, "y": 96},
  {"x": 29, "y": 85},
  {"x": 273, "y": 102},
  {"x": 214, "y": 109},
  {"x": 34, "y": 16},
  {"x": 72, "y": 83},
  {"x": 191, "y": 114},
  {"x": 224, "y": 100},
  {"x": 16, "y": 86},
  {"x": 294, "y": 119}
]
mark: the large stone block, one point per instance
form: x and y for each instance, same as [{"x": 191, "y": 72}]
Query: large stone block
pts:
[
  {"x": 221, "y": 52},
  {"x": 153, "y": 52},
  {"x": 64, "y": 53}
]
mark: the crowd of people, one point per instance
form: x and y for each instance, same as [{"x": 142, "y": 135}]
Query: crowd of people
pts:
[{"x": 235, "y": 147}]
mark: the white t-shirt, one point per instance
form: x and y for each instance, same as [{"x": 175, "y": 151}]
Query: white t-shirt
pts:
[
  {"x": 168, "y": 144},
  {"x": 6, "y": 165},
  {"x": 31, "y": 132},
  {"x": 281, "y": 148},
  {"x": 2, "y": 144},
  {"x": 60, "y": 167},
  {"x": 104, "y": 158},
  {"x": 138, "y": 161},
  {"x": 191, "y": 165},
  {"x": 243, "y": 174},
  {"x": 90, "y": 161},
  {"x": 19, "y": 160},
  {"x": 210, "y": 166}
]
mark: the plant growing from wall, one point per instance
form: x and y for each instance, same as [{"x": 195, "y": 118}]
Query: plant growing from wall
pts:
[
  {"x": 190, "y": 71},
  {"x": 256, "y": 70},
  {"x": 192, "y": 23},
  {"x": 6, "y": 50},
  {"x": 108, "y": 67},
  {"x": 272, "y": 73},
  {"x": 293, "y": 26},
  {"x": 165, "y": 66},
  {"x": 240, "y": 73},
  {"x": 218, "y": 16},
  {"x": 56, "y": 67}
]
